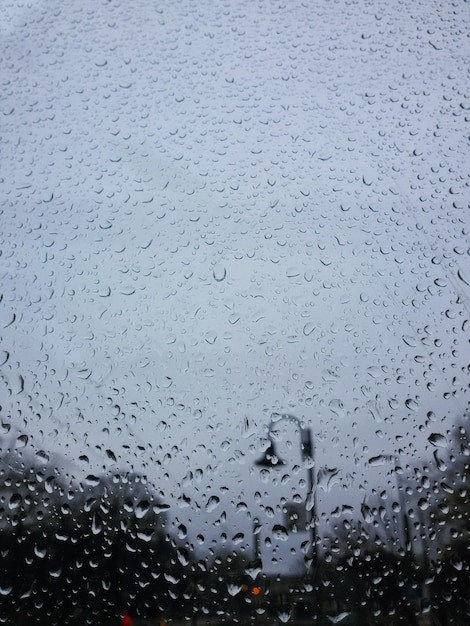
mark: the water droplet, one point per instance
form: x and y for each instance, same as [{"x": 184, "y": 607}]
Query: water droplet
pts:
[
  {"x": 40, "y": 551},
  {"x": 183, "y": 556},
  {"x": 308, "y": 328},
  {"x": 145, "y": 535},
  {"x": 110, "y": 454},
  {"x": 410, "y": 341},
  {"x": 423, "y": 504},
  {"x": 219, "y": 272},
  {"x": 463, "y": 278},
  {"x": 238, "y": 538},
  {"x": 212, "y": 503},
  {"x": 336, "y": 619},
  {"x": 210, "y": 337},
  {"x": 438, "y": 440},
  {"x": 380, "y": 459},
  {"x": 280, "y": 532},
  {"x": 142, "y": 508},
  {"x": 15, "y": 501},
  {"x": 22, "y": 441},
  {"x": 96, "y": 525},
  {"x": 284, "y": 615},
  {"x": 92, "y": 480},
  {"x": 440, "y": 463},
  {"x": 328, "y": 477},
  {"x": 5, "y": 590}
]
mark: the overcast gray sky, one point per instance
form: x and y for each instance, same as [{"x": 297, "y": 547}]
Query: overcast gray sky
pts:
[{"x": 215, "y": 211}]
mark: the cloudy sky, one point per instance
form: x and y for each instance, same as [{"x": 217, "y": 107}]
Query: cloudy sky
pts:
[{"x": 215, "y": 211}]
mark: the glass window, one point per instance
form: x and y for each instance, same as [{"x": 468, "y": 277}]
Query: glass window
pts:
[{"x": 234, "y": 319}]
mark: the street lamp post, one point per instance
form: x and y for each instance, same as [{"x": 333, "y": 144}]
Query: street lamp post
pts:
[{"x": 270, "y": 459}]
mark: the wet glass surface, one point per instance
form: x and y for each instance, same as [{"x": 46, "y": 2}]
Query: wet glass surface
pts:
[{"x": 234, "y": 314}]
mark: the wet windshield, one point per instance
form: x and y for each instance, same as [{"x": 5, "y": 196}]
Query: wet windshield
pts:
[{"x": 234, "y": 319}]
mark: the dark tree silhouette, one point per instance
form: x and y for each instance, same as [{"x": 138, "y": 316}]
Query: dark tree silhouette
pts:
[{"x": 80, "y": 552}]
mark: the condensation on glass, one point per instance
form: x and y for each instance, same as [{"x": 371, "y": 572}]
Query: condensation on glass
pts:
[{"x": 234, "y": 313}]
